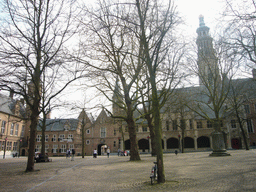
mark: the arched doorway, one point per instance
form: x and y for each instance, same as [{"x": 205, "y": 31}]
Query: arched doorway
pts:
[
  {"x": 143, "y": 144},
  {"x": 102, "y": 148},
  {"x": 172, "y": 143},
  {"x": 23, "y": 152},
  {"x": 189, "y": 142},
  {"x": 127, "y": 144},
  {"x": 235, "y": 143},
  {"x": 203, "y": 142}
]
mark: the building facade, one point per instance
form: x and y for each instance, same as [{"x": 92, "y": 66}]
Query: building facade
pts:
[{"x": 13, "y": 125}]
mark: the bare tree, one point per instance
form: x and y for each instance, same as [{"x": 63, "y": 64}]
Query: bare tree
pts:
[
  {"x": 115, "y": 57},
  {"x": 157, "y": 24},
  {"x": 33, "y": 36},
  {"x": 240, "y": 33},
  {"x": 236, "y": 100},
  {"x": 215, "y": 68}
]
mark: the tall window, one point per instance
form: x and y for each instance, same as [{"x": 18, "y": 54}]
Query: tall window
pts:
[
  {"x": 3, "y": 127},
  {"x": 71, "y": 146},
  {"x": 209, "y": 124},
  {"x": 3, "y": 143},
  {"x": 102, "y": 132},
  {"x": 55, "y": 149},
  {"x": 191, "y": 124},
  {"x": 46, "y": 138},
  {"x": 63, "y": 148},
  {"x": 70, "y": 136},
  {"x": 38, "y": 138},
  {"x": 167, "y": 125},
  {"x": 46, "y": 148},
  {"x": 87, "y": 142},
  {"x": 22, "y": 131},
  {"x": 145, "y": 129},
  {"x": 12, "y": 128},
  {"x": 61, "y": 137},
  {"x": 247, "y": 109},
  {"x": 199, "y": 125},
  {"x": 233, "y": 124},
  {"x": 88, "y": 131},
  {"x": 54, "y": 138},
  {"x": 114, "y": 144},
  {"x": 249, "y": 126},
  {"x": 174, "y": 125},
  {"x": 15, "y": 146},
  {"x": 38, "y": 147},
  {"x": 9, "y": 145},
  {"x": 16, "y": 129}
]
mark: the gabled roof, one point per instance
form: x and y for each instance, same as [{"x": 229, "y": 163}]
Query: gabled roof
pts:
[
  {"x": 59, "y": 124},
  {"x": 7, "y": 105}
]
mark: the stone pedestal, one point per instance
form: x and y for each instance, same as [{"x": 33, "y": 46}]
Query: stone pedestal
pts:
[{"x": 218, "y": 145}]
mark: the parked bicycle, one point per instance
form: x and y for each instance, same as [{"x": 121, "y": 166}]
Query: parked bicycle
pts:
[{"x": 153, "y": 175}]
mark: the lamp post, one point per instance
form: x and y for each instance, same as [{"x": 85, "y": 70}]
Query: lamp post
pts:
[
  {"x": 179, "y": 141},
  {"x": 5, "y": 142},
  {"x": 19, "y": 147}
]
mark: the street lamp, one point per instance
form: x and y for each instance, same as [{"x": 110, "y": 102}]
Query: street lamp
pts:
[{"x": 179, "y": 141}]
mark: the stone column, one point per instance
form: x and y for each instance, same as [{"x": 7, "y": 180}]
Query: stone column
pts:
[
  {"x": 195, "y": 142},
  {"x": 165, "y": 144},
  {"x": 150, "y": 147}
]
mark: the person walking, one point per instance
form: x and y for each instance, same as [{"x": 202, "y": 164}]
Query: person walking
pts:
[
  {"x": 95, "y": 153},
  {"x": 73, "y": 155},
  {"x": 108, "y": 152}
]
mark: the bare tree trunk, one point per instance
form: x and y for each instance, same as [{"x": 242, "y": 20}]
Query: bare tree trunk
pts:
[
  {"x": 32, "y": 139},
  {"x": 133, "y": 139}
]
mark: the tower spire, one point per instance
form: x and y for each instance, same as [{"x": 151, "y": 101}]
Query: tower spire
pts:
[{"x": 207, "y": 61}]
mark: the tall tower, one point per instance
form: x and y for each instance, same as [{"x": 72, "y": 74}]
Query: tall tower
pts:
[
  {"x": 207, "y": 62},
  {"x": 117, "y": 99}
]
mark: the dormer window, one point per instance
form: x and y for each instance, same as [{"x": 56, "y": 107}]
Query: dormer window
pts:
[{"x": 66, "y": 127}]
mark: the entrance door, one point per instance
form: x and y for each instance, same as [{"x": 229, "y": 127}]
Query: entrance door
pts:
[
  {"x": 23, "y": 152},
  {"x": 235, "y": 143},
  {"x": 102, "y": 148}
]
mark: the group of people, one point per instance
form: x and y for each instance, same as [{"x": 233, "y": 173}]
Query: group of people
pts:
[
  {"x": 72, "y": 152},
  {"x": 95, "y": 152},
  {"x": 123, "y": 153}
]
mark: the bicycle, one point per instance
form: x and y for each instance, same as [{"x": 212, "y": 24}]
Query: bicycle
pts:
[{"x": 153, "y": 175}]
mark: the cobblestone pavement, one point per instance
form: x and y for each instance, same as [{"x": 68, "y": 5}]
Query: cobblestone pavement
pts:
[{"x": 184, "y": 172}]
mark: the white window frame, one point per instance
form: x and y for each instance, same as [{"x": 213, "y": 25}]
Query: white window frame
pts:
[
  {"x": 46, "y": 148},
  {"x": 55, "y": 149},
  {"x": 70, "y": 136},
  {"x": 103, "y": 132},
  {"x": 3, "y": 127},
  {"x": 9, "y": 145},
  {"x": 16, "y": 129},
  {"x": 15, "y": 146},
  {"x": 88, "y": 142},
  {"x": 88, "y": 131},
  {"x": 46, "y": 138},
  {"x": 233, "y": 124},
  {"x": 63, "y": 148},
  {"x": 38, "y": 138},
  {"x": 37, "y": 148},
  {"x": 54, "y": 138},
  {"x": 71, "y": 146},
  {"x": 12, "y": 129},
  {"x": 22, "y": 131},
  {"x": 249, "y": 126},
  {"x": 61, "y": 137}
]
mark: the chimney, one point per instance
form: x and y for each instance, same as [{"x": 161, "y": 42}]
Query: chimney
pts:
[
  {"x": 11, "y": 94},
  {"x": 254, "y": 73},
  {"x": 48, "y": 116}
]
